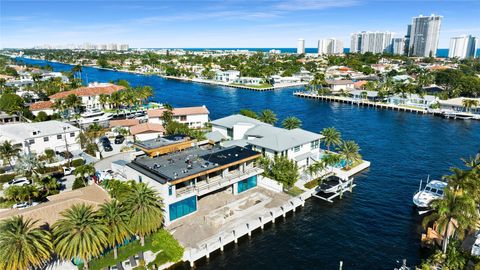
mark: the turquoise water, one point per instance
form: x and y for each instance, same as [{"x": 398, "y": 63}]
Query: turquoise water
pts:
[{"x": 372, "y": 228}]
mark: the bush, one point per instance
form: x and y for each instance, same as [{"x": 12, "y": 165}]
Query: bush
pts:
[
  {"x": 172, "y": 251},
  {"x": 78, "y": 183},
  {"x": 77, "y": 162},
  {"x": 6, "y": 177},
  {"x": 313, "y": 183}
]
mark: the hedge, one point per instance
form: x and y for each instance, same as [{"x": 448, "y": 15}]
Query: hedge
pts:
[{"x": 6, "y": 177}]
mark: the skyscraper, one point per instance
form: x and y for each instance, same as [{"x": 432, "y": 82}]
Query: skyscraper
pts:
[
  {"x": 424, "y": 36},
  {"x": 398, "y": 46},
  {"x": 301, "y": 46},
  {"x": 374, "y": 42},
  {"x": 463, "y": 47},
  {"x": 330, "y": 46}
]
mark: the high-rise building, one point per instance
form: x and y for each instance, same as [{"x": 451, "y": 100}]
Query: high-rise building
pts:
[
  {"x": 398, "y": 46},
  {"x": 463, "y": 47},
  {"x": 301, "y": 46},
  {"x": 374, "y": 42},
  {"x": 330, "y": 46},
  {"x": 424, "y": 36},
  {"x": 123, "y": 47}
]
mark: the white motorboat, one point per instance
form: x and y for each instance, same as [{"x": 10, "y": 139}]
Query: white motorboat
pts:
[
  {"x": 458, "y": 115},
  {"x": 433, "y": 190},
  {"x": 333, "y": 184},
  {"x": 93, "y": 116}
]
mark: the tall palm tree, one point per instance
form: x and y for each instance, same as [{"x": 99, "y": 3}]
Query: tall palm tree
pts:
[
  {"x": 77, "y": 69},
  {"x": 469, "y": 103},
  {"x": 268, "y": 116},
  {"x": 79, "y": 234},
  {"x": 23, "y": 245},
  {"x": 103, "y": 99},
  {"x": 291, "y": 122},
  {"x": 331, "y": 137},
  {"x": 29, "y": 165},
  {"x": 145, "y": 210},
  {"x": 349, "y": 151},
  {"x": 9, "y": 151},
  {"x": 453, "y": 207},
  {"x": 84, "y": 172},
  {"x": 114, "y": 217},
  {"x": 316, "y": 167}
]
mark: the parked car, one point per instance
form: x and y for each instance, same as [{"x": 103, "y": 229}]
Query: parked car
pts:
[
  {"x": 65, "y": 154},
  {"x": 119, "y": 139},
  {"x": 107, "y": 147},
  {"x": 22, "y": 205},
  {"x": 68, "y": 170},
  {"x": 104, "y": 140},
  {"x": 17, "y": 182}
]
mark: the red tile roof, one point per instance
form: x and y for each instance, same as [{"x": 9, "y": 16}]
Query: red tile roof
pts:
[
  {"x": 89, "y": 91},
  {"x": 41, "y": 105},
  {"x": 124, "y": 123},
  {"x": 147, "y": 128},
  {"x": 179, "y": 111},
  {"x": 359, "y": 84}
]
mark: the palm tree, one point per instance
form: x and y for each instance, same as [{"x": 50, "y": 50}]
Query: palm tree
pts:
[
  {"x": 144, "y": 93},
  {"x": 291, "y": 122},
  {"x": 469, "y": 103},
  {"x": 77, "y": 69},
  {"x": 268, "y": 116},
  {"x": 23, "y": 245},
  {"x": 79, "y": 234},
  {"x": 84, "y": 172},
  {"x": 331, "y": 159},
  {"x": 29, "y": 165},
  {"x": 145, "y": 210},
  {"x": 9, "y": 151},
  {"x": 349, "y": 151},
  {"x": 316, "y": 167},
  {"x": 114, "y": 217},
  {"x": 452, "y": 208},
  {"x": 331, "y": 137},
  {"x": 103, "y": 99}
]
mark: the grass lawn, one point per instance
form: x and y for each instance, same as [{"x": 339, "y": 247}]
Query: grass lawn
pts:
[
  {"x": 293, "y": 191},
  {"x": 171, "y": 251}
]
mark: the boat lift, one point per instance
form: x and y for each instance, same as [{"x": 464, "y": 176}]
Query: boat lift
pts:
[{"x": 342, "y": 187}]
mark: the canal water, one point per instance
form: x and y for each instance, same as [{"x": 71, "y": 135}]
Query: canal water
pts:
[{"x": 373, "y": 228}]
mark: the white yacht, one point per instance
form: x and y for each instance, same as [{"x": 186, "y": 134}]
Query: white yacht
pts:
[
  {"x": 458, "y": 115},
  {"x": 93, "y": 116},
  {"x": 433, "y": 190}
]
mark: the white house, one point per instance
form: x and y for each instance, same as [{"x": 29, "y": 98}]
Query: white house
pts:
[
  {"x": 297, "y": 144},
  {"x": 38, "y": 136},
  {"x": 249, "y": 80},
  {"x": 194, "y": 117},
  {"x": 415, "y": 100},
  {"x": 42, "y": 106},
  {"x": 147, "y": 131},
  {"x": 90, "y": 94},
  {"x": 340, "y": 85},
  {"x": 227, "y": 76},
  {"x": 457, "y": 104}
]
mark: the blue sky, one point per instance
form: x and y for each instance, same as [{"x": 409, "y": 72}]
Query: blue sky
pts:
[{"x": 214, "y": 24}]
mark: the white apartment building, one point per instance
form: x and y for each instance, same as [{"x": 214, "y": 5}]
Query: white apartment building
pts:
[
  {"x": 301, "y": 46},
  {"x": 374, "y": 42},
  {"x": 463, "y": 47},
  {"x": 194, "y": 117},
  {"x": 424, "y": 35},
  {"x": 298, "y": 145},
  {"x": 227, "y": 76},
  {"x": 36, "y": 137},
  {"x": 330, "y": 46},
  {"x": 398, "y": 46}
]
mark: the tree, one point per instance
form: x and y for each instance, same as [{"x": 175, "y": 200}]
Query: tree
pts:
[
  {"x": 268, "y": 116},
  {"x": 469, "y": 103},
  {"x": 114, "y": 217},
  {"x": 8, "y": 151},
  {"x": 29, "y": 165},
  {"x": 11, "y": 103},
  {"x": 83, "y": 172},
  {"x": 103, "y": 99},
  {"x": 79, "y": 234},
  {"x": 145, "y": 209},
  {"x": 291, "y": 122},
  {"x": 49, "y": 185},
  {"x": 249, "y": 113},
  {"x": 73, "y": 101},
  {"x": 41, "y": 117},
  {"x": 23, "y": 245},
  {"x": 331, "y": 137},
  {"x": 281, "y": 169},
  {"x": 349, "y": 151}
]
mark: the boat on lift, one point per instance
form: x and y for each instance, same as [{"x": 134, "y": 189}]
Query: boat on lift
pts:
[{"x": 433, "y": 190}]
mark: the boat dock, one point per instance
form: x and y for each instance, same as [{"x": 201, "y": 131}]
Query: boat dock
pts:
[{"x": 365, "y": 103}]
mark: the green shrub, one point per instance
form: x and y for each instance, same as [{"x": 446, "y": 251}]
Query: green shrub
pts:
[
  {"x": 6, "y": 177},
  {"x": 78, "y": 183},
  {"x": 171, "y": 250},
  {"x": 77, "y": 162}
]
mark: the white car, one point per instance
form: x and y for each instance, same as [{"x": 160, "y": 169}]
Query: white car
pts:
[
  {"x": 22, "y": 205},
  {"x": 68, "y": 170},
  {"x": 17, "y": 182}
]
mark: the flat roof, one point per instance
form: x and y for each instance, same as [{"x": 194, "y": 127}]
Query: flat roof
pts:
[
  {"x": 161, "y": 142},
  {"x": 185, "y": 164}
]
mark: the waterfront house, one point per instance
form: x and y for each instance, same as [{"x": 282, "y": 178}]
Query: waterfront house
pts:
[
  {"x": 413, "y": 100},
  {"x": 249, "y": 80},
  {"x": 337, "y": 86},
  {"x": 227, "y": 76},
  {"x": 90, "y": 94},
  {"x": 277, "y": 79},
  {"x": 147, "y": 131},
  {"x": 42, "y": 106},
  {"x": 457, "y": 104},
  {"x": 38, "y": 136},
  {"x": 364, "y": 95},
  {"x": 183, "y": 178},
  {"x": 194, "y": 117},
  {"x": 298, "y": 145}
]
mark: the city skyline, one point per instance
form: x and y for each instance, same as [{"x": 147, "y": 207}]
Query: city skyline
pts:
[{"x": 215, "y": 24}]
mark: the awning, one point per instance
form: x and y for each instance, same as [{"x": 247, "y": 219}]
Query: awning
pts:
[{"x": 305, "y": 156}]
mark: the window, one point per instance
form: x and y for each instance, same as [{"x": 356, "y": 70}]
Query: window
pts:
[
  {"x": 247, "y": 184},
  {"x": 31, "y": 141},
  {"x": 72, "y": 134},
  {"x": 59, "y": 137},
  {"x": 183, "y": 118},
  {"x": 140, "y": 179},
  {"x": 170, "y": 191},
  {"x": 296, "y": 148},
  {"x": 45, "y": 139},
  {"x": 315, "y": 144},
  {"x": 183, "y": 208}
]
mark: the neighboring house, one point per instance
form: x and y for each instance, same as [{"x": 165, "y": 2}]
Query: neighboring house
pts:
[
  {"x": 38, "y": 136},
  {"x": 456, "y": 104},
  {"x": 337, "y": 86},
  {"x": 182, "y": 177},
  {"x": 414, "y": 100},
  {"x": 6, "y": 118},
  {"x": 364, "y": 94},
  {"x": 124, "y": 123},
  {"x": 194, "y": 117},
  {"x": 42, "y": 106},
  {"x": 277, "y": 79},
  {"x": 298, "y": 145},
  {"x": 90, "y": 94},
  {"x": 249, "y": 80},
  {"x": 227, "y": 76},
  {"x": 147, "y": 131}
]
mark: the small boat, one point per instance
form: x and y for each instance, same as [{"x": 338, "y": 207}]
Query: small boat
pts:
[
  {"x": 332, "y": 184},
  {"x": 433, "y": 190},
  {"x": 458, "y": 115}
]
